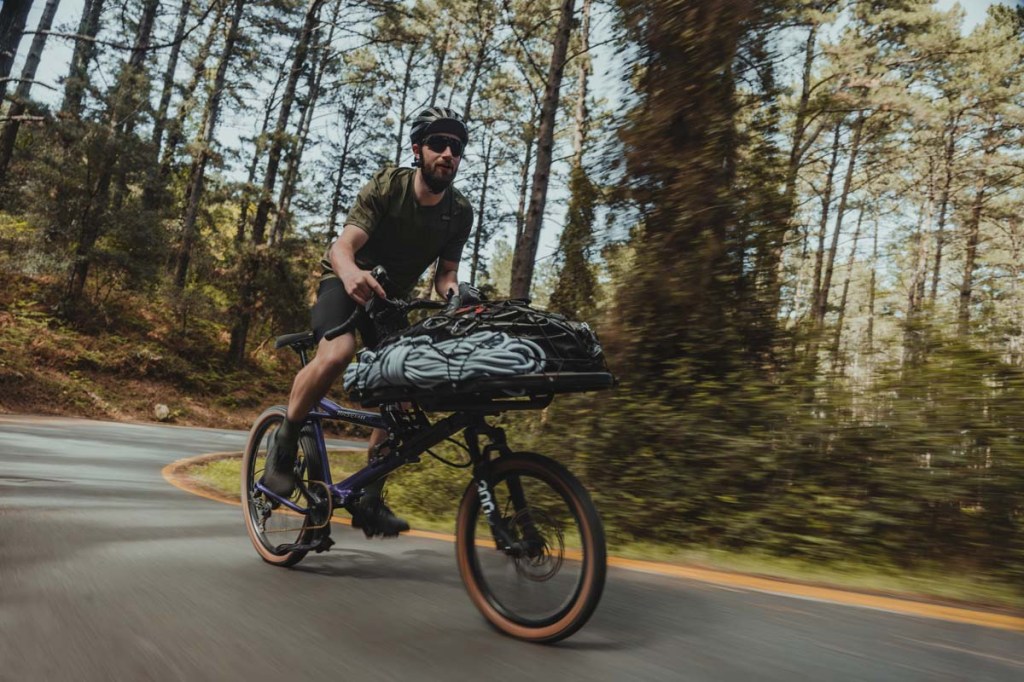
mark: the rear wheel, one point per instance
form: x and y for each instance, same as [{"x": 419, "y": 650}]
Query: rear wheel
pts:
[
  {"x": 276, "y": 531},
  {"x": 545, "y": 586}
]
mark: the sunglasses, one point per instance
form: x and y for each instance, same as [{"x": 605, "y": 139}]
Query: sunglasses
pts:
[{"x": 438, "y": 143}]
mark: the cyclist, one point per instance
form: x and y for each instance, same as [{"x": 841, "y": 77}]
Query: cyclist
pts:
[{"x": 403, "y": 219}]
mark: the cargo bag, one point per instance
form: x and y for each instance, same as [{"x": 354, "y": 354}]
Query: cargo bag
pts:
[{"x": 505, "y": 346}]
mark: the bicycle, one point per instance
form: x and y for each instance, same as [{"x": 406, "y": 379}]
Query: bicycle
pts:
[{"x": 525, "y": 524}]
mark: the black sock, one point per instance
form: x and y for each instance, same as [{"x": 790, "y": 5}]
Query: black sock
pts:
[
  {"x": 289, "y": 432},
  {"x": 374, "y": 490}
]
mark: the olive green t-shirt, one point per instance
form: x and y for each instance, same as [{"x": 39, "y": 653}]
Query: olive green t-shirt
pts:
[{"x": 406, "y": 238}]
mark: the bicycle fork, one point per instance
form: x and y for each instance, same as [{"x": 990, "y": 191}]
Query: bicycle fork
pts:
[{"x": 482, "y": 476}]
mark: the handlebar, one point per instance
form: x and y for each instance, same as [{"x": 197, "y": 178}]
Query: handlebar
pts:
[
  {"x": 381, "y": 306},
  {"x": 377, "y": 307}
]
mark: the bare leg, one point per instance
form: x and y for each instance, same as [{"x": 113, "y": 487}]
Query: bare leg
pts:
[
  {"x": 315, "y": 379},
  {"x": 377, "y": 519},
  {"x": 376, "y": 438},
  {"x": 310, "y": 385}
]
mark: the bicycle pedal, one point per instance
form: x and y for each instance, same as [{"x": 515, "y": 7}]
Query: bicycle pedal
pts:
[{"x": 325, "y": 544}]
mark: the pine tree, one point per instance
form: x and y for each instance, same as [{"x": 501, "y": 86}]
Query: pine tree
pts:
[
  {"x": 528, "y": 241},
  {"x": 21, "y": 94}
]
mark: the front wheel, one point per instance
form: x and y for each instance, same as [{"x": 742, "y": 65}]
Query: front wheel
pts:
[{"x": 540, "y": 577}]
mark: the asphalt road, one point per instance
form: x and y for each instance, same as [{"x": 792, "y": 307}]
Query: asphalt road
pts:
[{"x": 107, "y": 572}]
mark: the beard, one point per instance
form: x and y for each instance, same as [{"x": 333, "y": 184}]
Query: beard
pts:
[{"x": 437, "y": 177}]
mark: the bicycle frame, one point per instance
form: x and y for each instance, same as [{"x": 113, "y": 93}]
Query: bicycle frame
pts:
[
  {"x": 421, "y": 437},
  {"x": 526, "y": 531}
]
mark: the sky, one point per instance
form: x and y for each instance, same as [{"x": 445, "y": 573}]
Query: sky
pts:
[{"x": 975, "y": 10}]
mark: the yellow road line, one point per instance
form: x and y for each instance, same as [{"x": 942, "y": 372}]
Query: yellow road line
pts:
[{"x": 174, "y": 473}]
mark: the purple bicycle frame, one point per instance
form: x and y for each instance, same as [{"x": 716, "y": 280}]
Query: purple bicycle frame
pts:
[{"x": 328, "y": 409}]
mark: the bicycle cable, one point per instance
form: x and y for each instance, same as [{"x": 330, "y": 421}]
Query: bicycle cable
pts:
[{"x": 457, "y": 465}]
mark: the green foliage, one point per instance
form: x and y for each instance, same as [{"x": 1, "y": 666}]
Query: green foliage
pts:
[
  {"x": 576, "y": 286},
  {"x": 928, "y": 467},
  {"x": 727, "y": 432}
]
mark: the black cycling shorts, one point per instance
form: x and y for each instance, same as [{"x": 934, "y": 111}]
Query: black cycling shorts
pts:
[{"x": 333, "y": 306}]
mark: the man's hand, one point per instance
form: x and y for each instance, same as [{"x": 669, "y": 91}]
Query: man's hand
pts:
[
  {"x": 361, "y": 285},
  {"x": 466, "y": 295}
]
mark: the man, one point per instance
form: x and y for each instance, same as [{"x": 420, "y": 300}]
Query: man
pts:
[{"x": 403, "y": 219}]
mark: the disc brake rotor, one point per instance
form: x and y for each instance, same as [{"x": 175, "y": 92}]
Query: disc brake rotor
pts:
[{"x": 544, "y": 544}]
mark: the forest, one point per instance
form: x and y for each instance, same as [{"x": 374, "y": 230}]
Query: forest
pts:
[{"x": 796, "y": 226}]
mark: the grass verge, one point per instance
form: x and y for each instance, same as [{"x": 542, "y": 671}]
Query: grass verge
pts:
[{"x": 926, "y": 584}]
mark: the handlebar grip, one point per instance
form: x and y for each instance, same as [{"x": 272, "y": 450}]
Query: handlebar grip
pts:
[{"x": 344, "y": 327}]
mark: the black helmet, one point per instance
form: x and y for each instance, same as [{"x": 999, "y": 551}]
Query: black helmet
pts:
[{"x": 438, "y": 120}]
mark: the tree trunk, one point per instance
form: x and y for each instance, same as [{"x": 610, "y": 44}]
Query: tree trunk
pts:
[
  {"x": 89, "y": 227},
  {"x": 160, "y": 119},
  {"x": 771, "y": 268},
  {"x": 837, "y": 364},
  {"x": 524, "y": 177},
  {"x": 135, "y": 76},
  {"x": 176, "y": 129},
  {"x": 78, "y": 74},
  {"x": 947, "y": 182},
  {"x": 913, "y": 335},
  {"x": 573, "y": 295},
  {"x": 525, "y": 255},
  {"x": 581, "y": 115},
  {"x": 483, "y": 45},
  {"x": 440, "y": 54},
  {"x": 682, "y": 315},
  {"x": 257, "y": 156},
  {"x": 972, "y": 230},
  {"x": 871, "y": 295},
  {"x": 21, "y": 94},
  {"x": 406, "y": 86},
  {"x": 826, "y": 203},
  {"x": 13, "y": 15},
  {"x": 202, "y": 153},
  {"x": 810, "y": 362},
  {"x": 797, "y": 148},
  {"x": 474, "y": 263},
  {"x": 277, "y": 143},
  {"x": 826, "y": 285},
  {"x": 143, "y": 34},
  {"x": 339, "y": 181},
  {"x": 122, "y": 109},
  {"x": 250, "y": 261},
  {"x": 291, "y": 176}
]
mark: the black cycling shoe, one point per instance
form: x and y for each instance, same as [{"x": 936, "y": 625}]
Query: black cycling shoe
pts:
[
  {"x": 375, "y": 517},
  {"x": 279, "y": 472}
]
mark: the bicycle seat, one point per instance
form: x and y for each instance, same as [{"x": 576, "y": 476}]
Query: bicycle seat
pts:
[{"x": 301, "y": 341}]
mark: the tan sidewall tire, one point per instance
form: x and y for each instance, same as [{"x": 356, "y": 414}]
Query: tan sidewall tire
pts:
[
  {"x": 590, "y": 527},
  {"x": 256, "y": 434}
]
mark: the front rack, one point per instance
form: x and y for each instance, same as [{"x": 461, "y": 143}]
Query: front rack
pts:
[{"x": 490, "y": 394}]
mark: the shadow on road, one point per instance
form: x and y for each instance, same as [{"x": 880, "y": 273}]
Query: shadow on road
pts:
[{"x": 349, "y": 562}]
